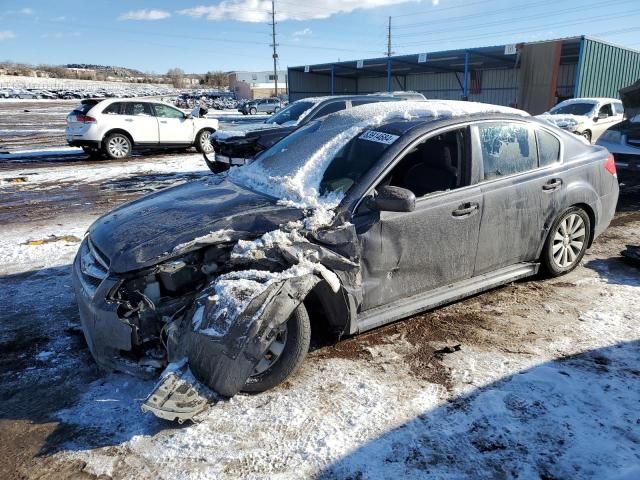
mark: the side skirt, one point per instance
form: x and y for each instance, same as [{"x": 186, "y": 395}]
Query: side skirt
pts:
[{"x": 406, "y": 307}]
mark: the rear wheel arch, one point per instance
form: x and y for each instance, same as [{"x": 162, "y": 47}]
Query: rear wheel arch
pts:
[
  {"x": 117, "y": 130},
  {"x": 592, "y": 219}
]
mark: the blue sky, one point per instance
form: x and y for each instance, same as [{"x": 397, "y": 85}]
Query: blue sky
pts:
[{"x": 200, "y": 35}]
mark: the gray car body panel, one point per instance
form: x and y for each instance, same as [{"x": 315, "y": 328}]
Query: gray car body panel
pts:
[{"x": 389, "y": 265}]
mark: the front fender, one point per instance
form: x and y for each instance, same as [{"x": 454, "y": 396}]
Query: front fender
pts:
[{"x": 224, "y": 363}]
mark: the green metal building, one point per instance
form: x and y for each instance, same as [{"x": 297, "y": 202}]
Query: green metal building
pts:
[{"x": 533, "y": 76}]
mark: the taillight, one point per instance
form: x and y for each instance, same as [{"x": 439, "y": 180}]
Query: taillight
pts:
[
  {"x": 610, "y": 165},
  {"x": 85, "y": 118}
]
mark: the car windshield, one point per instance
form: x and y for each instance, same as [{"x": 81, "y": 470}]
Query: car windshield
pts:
[
  {"x": 574, "y": 108},
  {"x": 290, "y": 114},
  {"x": 315, "y": 166}
]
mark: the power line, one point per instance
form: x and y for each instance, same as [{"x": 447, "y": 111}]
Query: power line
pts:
[
  {"x": 524, "y": 32},
  {"x": 501, "y": 22}
]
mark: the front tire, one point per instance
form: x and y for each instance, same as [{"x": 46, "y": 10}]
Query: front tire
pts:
[
  {"x": 117, "y": 146},
  {"x": 203, "y": 143},
  {"x": 567, "y": 242},
  {"x": 253, "y": 111},
  {"x": 285, "y": 354}
]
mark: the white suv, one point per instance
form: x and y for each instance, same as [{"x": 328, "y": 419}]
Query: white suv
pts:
[{"x": 117, "y": 126}]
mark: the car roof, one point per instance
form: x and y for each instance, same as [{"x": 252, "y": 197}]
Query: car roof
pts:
[
  {"x": 594, "y": 100},
  {"x": 382, "y": 114}
]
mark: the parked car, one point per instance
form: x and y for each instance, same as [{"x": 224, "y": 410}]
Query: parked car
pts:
[
  {"x": 116, "y": 127},
  {"x": 261, "y": 105},
  {"x": 361, "y": 218},
  {"x": 623, "y": 139},
  {"x": 588, "y": 117},
  {"x": 240, "y": 146}
]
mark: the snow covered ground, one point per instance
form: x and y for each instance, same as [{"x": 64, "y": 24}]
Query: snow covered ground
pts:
[{"x": 545, "y": 382}]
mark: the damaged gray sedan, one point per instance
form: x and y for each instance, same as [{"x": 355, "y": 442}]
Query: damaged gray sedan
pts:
[{"x": 353, "y": 221}]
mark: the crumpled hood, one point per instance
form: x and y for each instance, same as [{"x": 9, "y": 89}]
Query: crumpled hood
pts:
[
  {"x": 630, "y": 97},
  {"x": 143, "y": 232},
  {"x": 627, "y": 127}
]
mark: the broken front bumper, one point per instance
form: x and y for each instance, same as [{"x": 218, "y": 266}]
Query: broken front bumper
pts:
[{"x": 106, "y": 334}]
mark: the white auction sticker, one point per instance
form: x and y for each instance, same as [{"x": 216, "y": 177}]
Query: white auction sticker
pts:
[{"x": 379, "y": 137}]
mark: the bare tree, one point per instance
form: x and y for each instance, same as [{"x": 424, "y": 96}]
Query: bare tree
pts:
[
  {"x": 176, "y": 75},
  {"x": 216, "y": 79}
]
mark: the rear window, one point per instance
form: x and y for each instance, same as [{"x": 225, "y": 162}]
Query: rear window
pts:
[
  {"x": 114, "y": 109},
  {"x": 548, "y": 148},
  {"x": 619, "y": 108},
  {"x": 85, "y": 106}
]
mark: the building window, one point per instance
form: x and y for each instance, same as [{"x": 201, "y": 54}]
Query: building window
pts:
[
  {"x": 254, "y": 76},
  {"x": 273, "y": 77}
]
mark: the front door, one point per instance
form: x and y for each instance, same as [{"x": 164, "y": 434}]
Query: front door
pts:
[
  {"x": 407, "y": 253},
  {"x": 175, "y": 127}
]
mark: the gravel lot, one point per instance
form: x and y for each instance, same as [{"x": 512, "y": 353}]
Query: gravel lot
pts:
[{"x": 545, "y": 383}]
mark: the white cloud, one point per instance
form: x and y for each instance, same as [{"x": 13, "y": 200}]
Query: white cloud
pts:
[
  {"x": 144, "y": 15},
  {"x": 302, "y": 33},
  {"x": 7, "y": 35},
  {"x": 26, "y": 11},
  {"x": 260, "y": 10}
]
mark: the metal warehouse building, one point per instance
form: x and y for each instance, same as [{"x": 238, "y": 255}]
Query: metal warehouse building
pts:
[{"x": 532, "y": 76}]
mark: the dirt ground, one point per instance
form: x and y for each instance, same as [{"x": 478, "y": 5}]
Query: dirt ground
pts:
[{"x": 62, "y": 418}]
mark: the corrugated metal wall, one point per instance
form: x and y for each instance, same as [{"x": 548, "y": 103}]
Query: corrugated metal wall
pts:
[
  {"x": 605, "y": 69},
  {"x": 566, "y": 79}
]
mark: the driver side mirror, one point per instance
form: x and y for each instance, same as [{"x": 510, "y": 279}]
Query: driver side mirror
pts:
[
  {"x": 188, "y": 116},
  {"x": 392, "y": 199},
  {"x": 602, "y": 116}
]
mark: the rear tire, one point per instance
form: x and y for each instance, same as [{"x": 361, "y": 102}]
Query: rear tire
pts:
[
  {"x": 297, "y": 333},
  {"x": 567, "y": 242},
  {"x": 253, "y": 111},
  {"x": 587, "y": 135},
  {"x": 117, "y": 146}
]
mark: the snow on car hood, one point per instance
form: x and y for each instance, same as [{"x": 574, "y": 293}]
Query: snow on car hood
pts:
[
  {"x": 563, "y": 120},
  {"x": 297, "y": 181},
  {"x": 242, "y": 132}
]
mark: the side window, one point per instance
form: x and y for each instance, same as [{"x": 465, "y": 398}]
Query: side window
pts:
[
  {"x": 114, "y": 109},
  {"x": 166, "y": 111},
  {"x": 618, "y": 108},
  {"x": 332, "y": 107},
  {"x": 548, "y": 148},
  {"x": 606, "y": 109},
  {"x": 138, "y": 109},
  {"x": 438, "y": 164},
  {"x": 507, "y": 148}
]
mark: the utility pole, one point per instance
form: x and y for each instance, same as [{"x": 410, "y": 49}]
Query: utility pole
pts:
[
  {"x": 389, "y": 52},
  {"x": 274, "y": 44}
]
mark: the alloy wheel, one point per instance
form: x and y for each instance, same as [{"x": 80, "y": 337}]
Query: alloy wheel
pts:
[
  {"x": 118, "y": 146},
  {"x": 274, "y": 352},
  {"x": 205, "y": 143},
  {"x": 568, "y": 240}
]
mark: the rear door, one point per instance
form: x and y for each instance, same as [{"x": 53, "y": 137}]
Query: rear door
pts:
[
  {"x": 137, "y": 119},
  {"x": 512, "y": 185},
  {"x": 175, "y": 127}
]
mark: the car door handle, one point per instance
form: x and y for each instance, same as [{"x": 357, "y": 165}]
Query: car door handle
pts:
[
  {"x": 163, "y": 121},
  {"x": 465, "y": 209},
  {"x": 552, "y": 185},
  {"x": 128, "y": 119}
]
